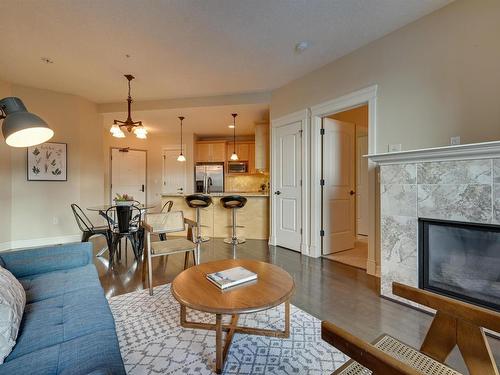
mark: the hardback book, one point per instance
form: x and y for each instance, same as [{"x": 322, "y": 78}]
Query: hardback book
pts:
[{"x": 231, "y": 277}]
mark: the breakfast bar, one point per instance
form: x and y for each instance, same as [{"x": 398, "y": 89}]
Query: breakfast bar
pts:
[{"x": 216, "y": 220}]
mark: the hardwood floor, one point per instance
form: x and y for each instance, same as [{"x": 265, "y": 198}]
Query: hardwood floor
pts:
[
  {"x": 344, "y": 295},
  {"x": 355, "y": 257}
]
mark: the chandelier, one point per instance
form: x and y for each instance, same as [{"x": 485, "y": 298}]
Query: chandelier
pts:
[{"x": 135, "y": 126}]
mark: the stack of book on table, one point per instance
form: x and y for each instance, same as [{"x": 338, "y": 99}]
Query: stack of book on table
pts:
[{"x": 231, "y": 277}]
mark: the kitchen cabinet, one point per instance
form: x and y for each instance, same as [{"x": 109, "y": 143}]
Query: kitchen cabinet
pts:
[
  {"x": 244, "y": 149},
  {"x": 262, "y": 146},
  {"x": 210, "y": 151}
]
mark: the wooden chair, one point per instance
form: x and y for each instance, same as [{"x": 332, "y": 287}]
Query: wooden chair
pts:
[
  {"x": 168, "y": 222},
  {"x": 167, "y": 207},
  {"x": 456, "y": 323}
]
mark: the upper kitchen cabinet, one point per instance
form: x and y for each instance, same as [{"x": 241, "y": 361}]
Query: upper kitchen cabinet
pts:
[
  {"x": 210, "y": 151},
  {"x": 262, "y": 146},
  {"x": 243, "y": 150}
]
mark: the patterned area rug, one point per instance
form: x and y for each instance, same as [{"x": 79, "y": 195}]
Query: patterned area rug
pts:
[{"x": 153, "y": 342}]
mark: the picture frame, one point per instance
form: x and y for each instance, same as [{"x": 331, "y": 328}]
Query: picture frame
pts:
[{"x": 47, "y": 162}]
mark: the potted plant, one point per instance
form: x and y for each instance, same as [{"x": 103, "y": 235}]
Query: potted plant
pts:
[{"x": 124, "y": 200}]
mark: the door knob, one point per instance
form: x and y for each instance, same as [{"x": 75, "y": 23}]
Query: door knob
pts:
[
  {"x": 277, "y": 192},
  {"x": 352, "y": 192},
  {"x": 142, "y": 188}
]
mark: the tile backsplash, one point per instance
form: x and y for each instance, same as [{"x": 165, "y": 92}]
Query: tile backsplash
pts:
[{"x": 246, "y": 183}]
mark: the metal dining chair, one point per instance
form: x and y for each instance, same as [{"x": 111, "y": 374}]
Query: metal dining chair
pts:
[
  {"x": 127, "y": 225},
  {"x": 167, "y": 207},
  {"x": 168, "y": 222},
  {"x": 88, "y": 228}
]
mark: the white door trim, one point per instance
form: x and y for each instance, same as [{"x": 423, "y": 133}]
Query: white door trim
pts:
[
  {"x": 303, "y": 117},
  {"x": 364, "y": 96}
]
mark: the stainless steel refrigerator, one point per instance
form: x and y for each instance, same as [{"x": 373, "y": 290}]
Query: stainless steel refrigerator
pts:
[{"x": 209, "y": 178}]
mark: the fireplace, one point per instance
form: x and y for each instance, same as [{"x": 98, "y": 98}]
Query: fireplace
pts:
[{"x": 460, "y": 260}]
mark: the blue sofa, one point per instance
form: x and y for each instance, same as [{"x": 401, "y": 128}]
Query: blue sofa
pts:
[{"x": 67, "y": 326}]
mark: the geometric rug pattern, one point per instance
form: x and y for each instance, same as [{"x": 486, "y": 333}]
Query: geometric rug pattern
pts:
[{"x": 152, "y": 340}]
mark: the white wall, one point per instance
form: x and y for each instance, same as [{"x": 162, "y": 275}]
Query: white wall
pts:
[
  {"x": 35, "y": 204},
  {"x": 437, "y": 77},
  {"x": 5, "y": 186}
]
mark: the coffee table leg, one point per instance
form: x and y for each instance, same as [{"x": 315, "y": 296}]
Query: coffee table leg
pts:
[
  {"x": 218, "y": 344},
  {"x": 287, "y": 319}
]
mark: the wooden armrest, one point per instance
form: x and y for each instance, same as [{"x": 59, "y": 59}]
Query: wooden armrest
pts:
[
  {"x": 190, "y": 222},
  {"x": 364, "y": 353},
  {"x": 147, "y": 227},
  {"x": 476, "y": 315}
]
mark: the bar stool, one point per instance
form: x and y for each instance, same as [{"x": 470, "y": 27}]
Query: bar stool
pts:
[
  {"x": 233, "y": 202},
  {"x": 198, "y": 201}
]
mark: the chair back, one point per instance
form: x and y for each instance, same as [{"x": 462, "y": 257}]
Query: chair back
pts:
[
  {"x": 167, "y": 207},
  {"x": 82, "y": 220},
  {"x": 165, "y": 222},
  {"x": 128, "y": 218}
]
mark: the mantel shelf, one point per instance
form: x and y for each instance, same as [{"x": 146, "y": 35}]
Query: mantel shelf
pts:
[{"x": 484, "y": 150}]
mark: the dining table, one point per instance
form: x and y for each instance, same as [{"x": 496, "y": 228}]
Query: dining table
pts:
[{"x": 103, "y": 208}]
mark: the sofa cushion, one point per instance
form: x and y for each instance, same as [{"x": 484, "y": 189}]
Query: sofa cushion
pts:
[
  {"x": 51, "y": 284},
  {"x": 97, "y": 353},
  {"x": 62, "y": 318},
  {"x": 12, "y": 301}
]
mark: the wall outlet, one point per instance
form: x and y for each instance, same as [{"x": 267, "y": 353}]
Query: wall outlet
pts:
[
  {"x": 55, "y": 220},
  {"x": 395, "y": 147},
  {"x": 455, "y": 140}
]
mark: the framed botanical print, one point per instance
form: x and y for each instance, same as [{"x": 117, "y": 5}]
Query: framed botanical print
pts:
[{"x": 48, "y": 162}]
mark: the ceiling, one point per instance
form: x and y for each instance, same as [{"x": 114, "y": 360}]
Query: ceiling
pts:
[
  {"x": 203, "y": 121},
  {"x": 185, "y": 48}
]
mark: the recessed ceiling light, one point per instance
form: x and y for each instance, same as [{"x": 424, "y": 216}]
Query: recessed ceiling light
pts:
[
  {"x": 46, "y": 60},
  {"x": 301, "y": 47}
]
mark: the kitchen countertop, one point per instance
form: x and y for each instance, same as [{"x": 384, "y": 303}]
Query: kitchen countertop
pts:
[{"x": 245, "y": 194}]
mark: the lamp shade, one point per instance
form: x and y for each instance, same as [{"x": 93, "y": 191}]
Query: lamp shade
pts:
[{"x": 21, "y": 128}]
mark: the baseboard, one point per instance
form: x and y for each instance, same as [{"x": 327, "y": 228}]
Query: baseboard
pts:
[
  {"x": 45, "y": 241},
  {"x": 304, "y": 249},
  {"x": 5, "y": 246},
  {"x": 371, "y": 268}
]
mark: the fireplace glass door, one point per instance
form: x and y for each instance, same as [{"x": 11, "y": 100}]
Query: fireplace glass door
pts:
[{"x": 460, "y": 260}]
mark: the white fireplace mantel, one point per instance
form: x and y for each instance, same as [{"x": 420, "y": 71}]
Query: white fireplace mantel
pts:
[{"x": 484, "y": 150}]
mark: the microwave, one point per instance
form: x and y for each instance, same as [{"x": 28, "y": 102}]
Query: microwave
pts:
[{"x": 237, "y": 167}]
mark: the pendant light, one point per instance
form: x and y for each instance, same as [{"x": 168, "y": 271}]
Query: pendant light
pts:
[
  {"x": 135, "y": 126},
  {"x": 181, "y": 156},
  {"x": 20, "y": 127},
  {"x": 234, "y": 156}
]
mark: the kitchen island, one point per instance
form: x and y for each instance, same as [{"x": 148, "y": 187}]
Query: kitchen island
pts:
[{"x": 217, "y": 219}]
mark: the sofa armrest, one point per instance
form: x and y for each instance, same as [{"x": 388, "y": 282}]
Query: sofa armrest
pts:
[{"x": 46, "y": 259}]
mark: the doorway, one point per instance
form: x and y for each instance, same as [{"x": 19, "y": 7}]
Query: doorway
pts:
[
  {"x": 344, "y": 141},
  {"x": 128, "y": 173}
]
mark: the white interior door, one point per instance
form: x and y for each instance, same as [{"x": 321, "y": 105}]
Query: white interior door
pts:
[
  {"x": 362, "y": 184},
  {"x": 174, "y": 173},
  {"x": 128, "y": 173},
  {"x": 287, "y": 185},
  {"x": 338, "y": 190}
]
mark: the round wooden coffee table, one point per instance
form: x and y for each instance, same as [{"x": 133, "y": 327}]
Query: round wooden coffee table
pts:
[{"x": 273, "y": 287}]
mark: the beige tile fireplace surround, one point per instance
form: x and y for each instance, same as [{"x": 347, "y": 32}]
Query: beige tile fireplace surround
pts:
[{"x": 459, "y": 183}]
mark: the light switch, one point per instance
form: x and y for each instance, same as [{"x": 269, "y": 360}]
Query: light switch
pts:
[{"x": 455, "y": 140}]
